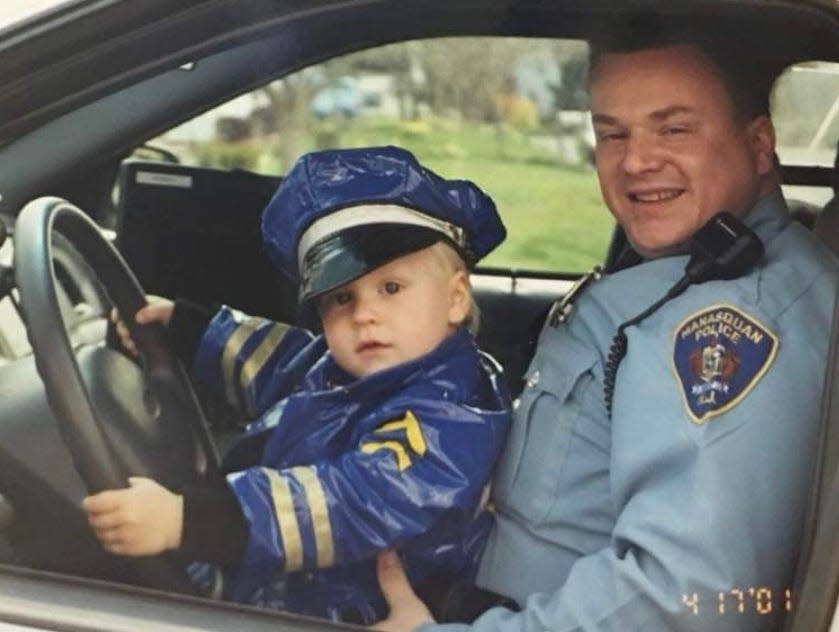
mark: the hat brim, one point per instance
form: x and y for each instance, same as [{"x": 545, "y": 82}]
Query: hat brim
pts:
[{"x": 352, "y": 253}]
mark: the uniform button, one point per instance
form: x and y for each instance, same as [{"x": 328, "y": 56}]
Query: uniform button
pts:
[{"x": 534, "y": 380}]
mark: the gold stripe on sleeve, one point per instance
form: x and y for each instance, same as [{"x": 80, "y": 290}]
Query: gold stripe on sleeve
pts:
[
  {"x": 319, "y": 510},
  {"x": 403, "y": 461},
  {"x": 231, "y": 349},
  {"x": 287, "y": 523},
  {"x": 413, "y": 431},
  {"x": 259, "y": 357}
]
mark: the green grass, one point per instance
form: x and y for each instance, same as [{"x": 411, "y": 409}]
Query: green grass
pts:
[
  {"x": 554, "y": 216},
  {"x": 436, "y": 137}
]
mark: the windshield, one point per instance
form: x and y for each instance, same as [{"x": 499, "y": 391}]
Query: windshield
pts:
[{"x": 13, "y": 11}]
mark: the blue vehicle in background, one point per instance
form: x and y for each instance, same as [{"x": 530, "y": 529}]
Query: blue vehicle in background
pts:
[{"x": 341, "y": 96}]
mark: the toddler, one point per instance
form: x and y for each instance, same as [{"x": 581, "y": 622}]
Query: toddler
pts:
[{"x": 381, "y": 433}]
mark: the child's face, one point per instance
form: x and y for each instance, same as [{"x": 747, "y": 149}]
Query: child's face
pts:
[{"x": 395, "y": 313}]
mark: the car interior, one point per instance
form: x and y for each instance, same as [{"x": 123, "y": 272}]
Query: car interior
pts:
[{"x": 76, "y": 109}]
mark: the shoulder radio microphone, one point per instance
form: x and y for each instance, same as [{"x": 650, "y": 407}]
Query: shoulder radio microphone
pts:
[{"x": 724, "y": 248}]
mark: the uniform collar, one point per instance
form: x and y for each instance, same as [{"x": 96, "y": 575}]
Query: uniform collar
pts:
[{"x": 769, "y": 216}]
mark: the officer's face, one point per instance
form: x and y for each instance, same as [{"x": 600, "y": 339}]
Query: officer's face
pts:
[
  {"x": 395, "y": 313},
  {"x": 670, "y": 152}
]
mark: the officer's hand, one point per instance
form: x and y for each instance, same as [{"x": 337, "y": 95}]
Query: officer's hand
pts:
[
  {"x": 406, "y": 609},
  {"x": 142, "y": 519},
  {"x": 158, "y": 310}
]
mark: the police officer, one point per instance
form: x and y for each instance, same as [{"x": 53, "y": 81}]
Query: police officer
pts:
[{"x": 683, "y": 508}]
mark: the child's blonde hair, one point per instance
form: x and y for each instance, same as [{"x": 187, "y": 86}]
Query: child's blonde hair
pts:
[{"x": 449, "y": 262}]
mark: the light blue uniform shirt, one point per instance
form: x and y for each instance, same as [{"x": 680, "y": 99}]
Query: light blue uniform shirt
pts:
[{"x": 672, "y": 514}]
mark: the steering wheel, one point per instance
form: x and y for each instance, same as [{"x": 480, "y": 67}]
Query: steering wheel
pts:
[{"x": 118, "y": 419}]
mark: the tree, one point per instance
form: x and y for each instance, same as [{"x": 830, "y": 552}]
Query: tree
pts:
[{"x": 288, "y": 101}]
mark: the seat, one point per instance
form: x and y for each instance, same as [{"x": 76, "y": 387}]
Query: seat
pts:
[
  {"x": 827, "y": 222},
  {"x": 194, "y": 233}
]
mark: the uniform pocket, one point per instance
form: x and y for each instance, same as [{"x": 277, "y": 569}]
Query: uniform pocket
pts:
[{"x": 526, "y": 479}]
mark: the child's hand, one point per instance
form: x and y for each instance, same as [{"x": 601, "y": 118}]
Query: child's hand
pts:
[
  {"x": 158, "y": 310},
  {"x": 143, "y": 519}
]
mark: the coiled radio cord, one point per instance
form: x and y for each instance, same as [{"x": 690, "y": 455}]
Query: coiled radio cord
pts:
[{"x": 620, "y": 343}]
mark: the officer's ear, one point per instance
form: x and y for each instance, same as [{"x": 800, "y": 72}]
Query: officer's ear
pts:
[
  {"x": 761, "y": 137},
  {"x": 460, "y": 297}
]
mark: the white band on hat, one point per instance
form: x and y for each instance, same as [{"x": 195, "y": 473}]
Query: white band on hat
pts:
[{"x": 373, "y": 214}]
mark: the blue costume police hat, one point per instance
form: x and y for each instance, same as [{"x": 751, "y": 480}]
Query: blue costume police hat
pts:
[{"x": 338, "y": 214}]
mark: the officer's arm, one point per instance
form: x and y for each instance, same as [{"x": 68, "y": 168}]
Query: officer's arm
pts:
[
  {"x": 418, "y": 464},
  {"x": 253, "y": 361}
]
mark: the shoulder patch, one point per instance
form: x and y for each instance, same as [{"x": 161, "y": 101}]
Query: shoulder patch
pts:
[{"x": 719, "y": 354}]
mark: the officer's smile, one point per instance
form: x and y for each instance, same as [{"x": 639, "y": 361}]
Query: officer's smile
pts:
[{"x": 655, "y": 195}]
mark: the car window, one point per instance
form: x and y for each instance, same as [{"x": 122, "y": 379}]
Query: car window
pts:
[
  {"x": 805, "y": 110},
  {"x": 510, "y": 115}
]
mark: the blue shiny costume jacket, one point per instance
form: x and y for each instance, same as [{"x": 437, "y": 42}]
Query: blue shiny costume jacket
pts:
[
  {"x": 351, "y": 467},
  {"x": 685, "y": 509}
]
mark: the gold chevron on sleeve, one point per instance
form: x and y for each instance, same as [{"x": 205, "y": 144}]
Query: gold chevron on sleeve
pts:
[
  {"x": 403, "y": 461},
  {"x": 413, "y": 431},
  {"x": 319, "y": 510},
  {"x": 287, "y": 523},
  {"x": 231, "y": 349},
  {"x": 257, "y": 359}
]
